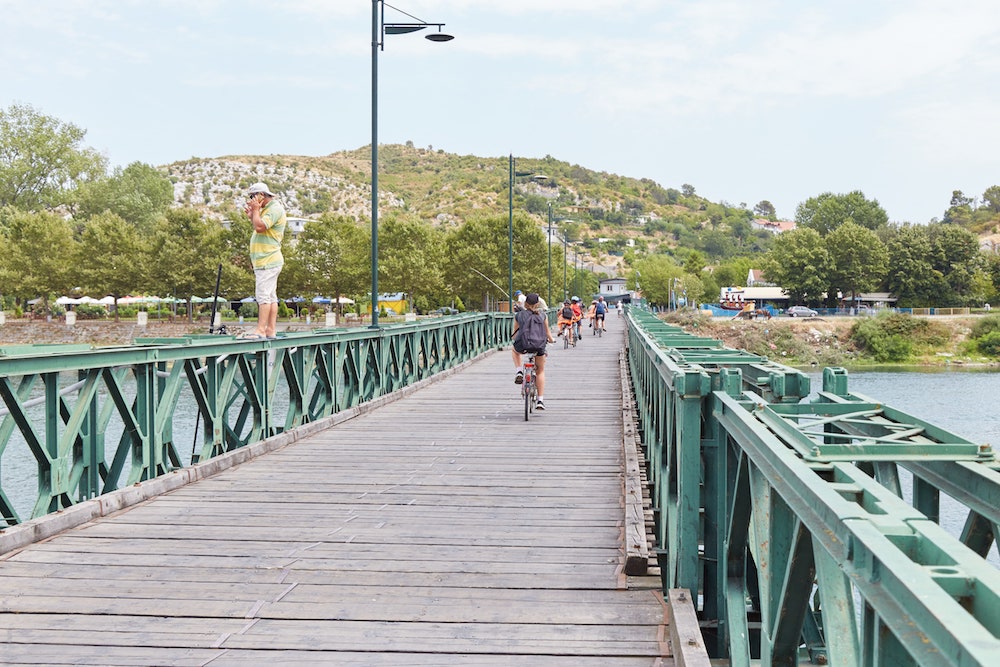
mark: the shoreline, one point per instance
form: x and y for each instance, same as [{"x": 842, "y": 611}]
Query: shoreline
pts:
[{"x": 824, "y": 342}]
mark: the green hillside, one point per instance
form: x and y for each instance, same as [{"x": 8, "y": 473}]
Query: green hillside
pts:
[{"x": 606, "y": 213}]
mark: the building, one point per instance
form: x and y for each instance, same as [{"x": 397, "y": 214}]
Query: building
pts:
[
  {"x": 614, "y": 290},
  {"x": 773, "y": 226}
]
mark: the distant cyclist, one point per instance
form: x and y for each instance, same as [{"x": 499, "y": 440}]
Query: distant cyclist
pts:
[
  {"x": 578, "y": 314},
  {"x": 531, "y": 333},
  {"x": 566, "y": 319},
  {"x": 600, "y": 310}
]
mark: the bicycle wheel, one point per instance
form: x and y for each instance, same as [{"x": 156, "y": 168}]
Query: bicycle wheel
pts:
[
  {"x": 527, "y": 401},
  {"x": 566, "y": 334}
]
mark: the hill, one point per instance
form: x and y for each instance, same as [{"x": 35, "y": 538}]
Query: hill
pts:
[{"x": 606, "y": 213}]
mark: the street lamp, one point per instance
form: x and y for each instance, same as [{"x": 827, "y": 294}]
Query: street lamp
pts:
[
  {"x": 379, "y": 30},
  {"x": 550, "y": 253},
  {"x": 565, "y": 263},
  {"x": 511, "y": 174}
]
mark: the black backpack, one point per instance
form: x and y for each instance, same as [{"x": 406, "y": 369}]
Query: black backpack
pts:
[
  {"x": 567, "y": 313},
  {"x": 531, "y": 331}
]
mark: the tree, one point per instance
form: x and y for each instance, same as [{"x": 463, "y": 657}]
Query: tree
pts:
[
  {"x": 411, "y": 257},
  {"x": 41, "y": 158},
  {"x": 959, "y": 209},
  {"x": 331, "y": 258},
  {"x": 955, "y": 254},
  {"x": 765, "y": 209},
  {"x": 138, "y": 194},
  {"x": 828, "y": 211},
  {"x": 111, "y": 257},
  {"x": 800, "y": 263},
  {"x": 655, "y": 274},
  {"x": 476, "y": 258},
  {"x": 910, "y": 276},
  {"x": 39, "y": 260},
  {"x": 991, "y": 198},
  {"x": 860, "y": 259},
  {"x": 188, "y": 251}
]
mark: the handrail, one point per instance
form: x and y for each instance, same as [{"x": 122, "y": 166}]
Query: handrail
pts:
[
  {"x": 785, "y": 517},
  {"x": 78, "y": 421}
]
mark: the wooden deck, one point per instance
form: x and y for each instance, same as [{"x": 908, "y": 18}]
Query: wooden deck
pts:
[{"x": 440, "y": 529}]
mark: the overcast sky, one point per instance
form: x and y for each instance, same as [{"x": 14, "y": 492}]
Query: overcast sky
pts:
[{"x": 745, "y": 100}]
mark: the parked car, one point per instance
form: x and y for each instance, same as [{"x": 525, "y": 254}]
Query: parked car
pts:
[
  {"x": 445, "y": 310},
  {"x": 801, "y": 311}
]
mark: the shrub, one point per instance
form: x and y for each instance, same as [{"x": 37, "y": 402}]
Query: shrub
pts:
[
  {"x": 128, "y": 311},
  {"x": 885, "y": 338},
  {"x": 989, "y": 344},
  {"x": 91, "y": 311},
  {"x": 985, "y": 325},
  {"x": 248, "y": 310}
]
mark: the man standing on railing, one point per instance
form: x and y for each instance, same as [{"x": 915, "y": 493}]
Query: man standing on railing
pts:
[{"x": 268, "y": 218}]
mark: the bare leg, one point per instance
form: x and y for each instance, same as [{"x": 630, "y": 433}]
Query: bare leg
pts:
[
  {"x": 540, "y": 375},
  {"x": 267, "y": 316},
  {"x": 272, "y": 321}
]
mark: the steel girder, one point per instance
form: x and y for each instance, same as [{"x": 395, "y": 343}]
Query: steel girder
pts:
[{"x": 806, "y": 551}]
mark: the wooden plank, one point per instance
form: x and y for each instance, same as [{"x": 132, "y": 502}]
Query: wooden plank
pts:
[
  {"x": 439, "y": 529},
  {"x": 686, "y": 642}
]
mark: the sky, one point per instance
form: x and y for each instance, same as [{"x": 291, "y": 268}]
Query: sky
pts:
[{"x": 746, "y": 100}]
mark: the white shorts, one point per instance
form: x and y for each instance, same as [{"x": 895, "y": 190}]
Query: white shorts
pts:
[{"x": 267, "y": 285}]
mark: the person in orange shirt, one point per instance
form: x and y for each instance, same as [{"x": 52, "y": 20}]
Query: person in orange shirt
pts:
[{"x": 565, "y": 321}]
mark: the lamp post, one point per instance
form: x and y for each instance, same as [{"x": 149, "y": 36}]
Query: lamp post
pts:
[
  {"x": 550, "y": 254},
  {"x": 565, "y": 264},
  {"x": 511, "y": 174},
  {"x": 379, "y": 30}
]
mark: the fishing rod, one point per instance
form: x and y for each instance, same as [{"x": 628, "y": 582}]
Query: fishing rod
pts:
[{"x": 215, "y": 304}]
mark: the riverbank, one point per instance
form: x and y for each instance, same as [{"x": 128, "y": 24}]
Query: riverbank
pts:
[
  {"x": 104, "y": 333},
  {"x": 797, "y": 342},
  {"x": 827, "y": 341}
]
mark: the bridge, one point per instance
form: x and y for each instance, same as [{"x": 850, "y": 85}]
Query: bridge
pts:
[{"x": 375, "y": 497}]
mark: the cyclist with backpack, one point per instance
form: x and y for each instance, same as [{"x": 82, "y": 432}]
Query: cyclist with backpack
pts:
[
  {"x": 565, "y": 321},
  {"x": 531, "y": 333},
  {"x": 600, "y": 310}
]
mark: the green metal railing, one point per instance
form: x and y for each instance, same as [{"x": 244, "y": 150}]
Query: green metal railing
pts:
[
  {"x": 786, "y": 515},
  {"x": 78, "y": 422}
]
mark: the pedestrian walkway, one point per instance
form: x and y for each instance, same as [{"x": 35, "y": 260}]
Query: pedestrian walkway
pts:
[{"x": 440, "y": 529}]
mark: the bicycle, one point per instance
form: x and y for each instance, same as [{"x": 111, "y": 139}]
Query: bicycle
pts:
[
  {"x": 577, "y": 333},
  {"x": 567, "y": 336},
  {"x": 528, "y": 387}
]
